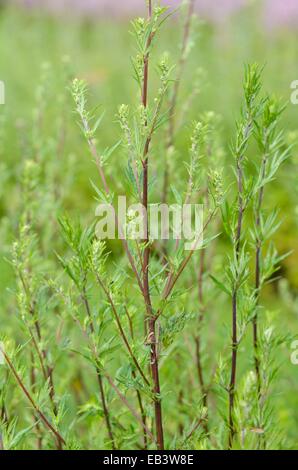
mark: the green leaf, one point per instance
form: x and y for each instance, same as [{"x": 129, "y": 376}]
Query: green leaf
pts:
[{"x": 220, "y": 285}]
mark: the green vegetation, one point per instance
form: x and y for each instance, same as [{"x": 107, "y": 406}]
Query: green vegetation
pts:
[{"x": 139, "y": 344}]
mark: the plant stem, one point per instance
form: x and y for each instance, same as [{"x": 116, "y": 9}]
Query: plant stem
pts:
[
  {"x": 49, "y": 370},
  {"x": 121, "y": 331},
  {"x": 106, "y": 187},
  {"x": 42, "y": 353},
  {"x": 146, "y": 258},
  {"x": 98, "y": 374},
  {"x": 173, "y": 277},
  {"x": 237, "y": 247},
  {"x": 139, "y": 396},
  {"x": 233, "y": 370},
  {"x": 156, "y": 384},
  {"x": 105, "y": 408},
  {"x": 258, "y": 275},
  {"x": 128, "y": 405},
  {"x": 198, "y": 338},
  {"x": 232, "y": 385},
  {"x": 36, "y": 420},
  {"x": 35, "y": 407}
]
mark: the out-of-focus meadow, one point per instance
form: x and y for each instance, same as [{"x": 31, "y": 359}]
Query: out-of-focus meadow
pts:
[{"x": 92, "y": 42}]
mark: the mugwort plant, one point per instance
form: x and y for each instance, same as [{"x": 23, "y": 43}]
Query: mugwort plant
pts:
[{"x": 111, "y": 343}]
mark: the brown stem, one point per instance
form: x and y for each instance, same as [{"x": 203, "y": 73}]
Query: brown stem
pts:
[
  {"x": 258, "y": 276},
  {"x": 36, "y": 420},
  {"x": 121, "y": 331},
  {"x": 46, "y": 369},
  {"x": 232, "y": 386},
  {"x": 105, "y": 408},
  {"x": 151, "y": 340},
  {"x": 204, "y": 390},
  {"x": 139, "y": 396},
  {"x": 31, "y": 400},
  {"x": 255, "y": 320},
  {"x": 128, "y": 405},
  {"x": 96, "y": 157},
  {"x": 174, "y": 277},
  {"x": 3, "y": 412},
  {"x": 199, "y": 423},
  {"x": 180, "y": 405},
  {"x": 41, "y": 353},
  {"x": 156, "y": 384},
  {"x": 143, "y": 415},
  {"x": 241, "y": 209},
  {"x": 48, "y": 374},
  {"x": 200, "y": 370},
  {"x": 98, "y": 374}
]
